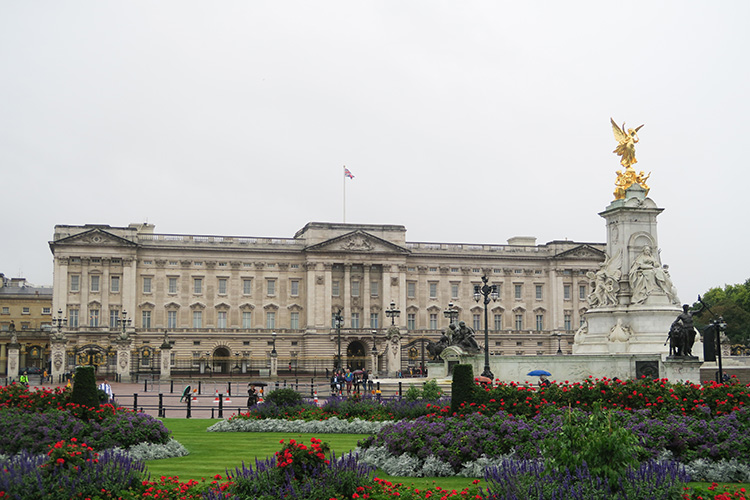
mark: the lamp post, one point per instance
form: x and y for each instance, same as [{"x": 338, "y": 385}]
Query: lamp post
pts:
[
  {"x": 393, "y": 313},
  {"x": 124, "y": 321},
  {"x": 720, "y": 326},
  {"x": 338, "y": 321},
  {"x": 273, "y": 336},
  {"x": 59, "y": 322},
  {"x": 559, "y": 337},
  {"x": 488, "y": 292},
  {"x": 451, "y": 313}
]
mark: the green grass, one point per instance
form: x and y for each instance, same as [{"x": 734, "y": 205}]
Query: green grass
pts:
[{"x": 213, "y": 453}]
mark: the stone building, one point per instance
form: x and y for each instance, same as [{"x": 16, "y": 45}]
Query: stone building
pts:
[
  {"x": 26, "y": 311},
  {"x": 220, "y": 299}
]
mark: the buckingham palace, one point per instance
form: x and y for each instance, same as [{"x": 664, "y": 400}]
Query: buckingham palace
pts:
[{"x": 223, "y": 304}]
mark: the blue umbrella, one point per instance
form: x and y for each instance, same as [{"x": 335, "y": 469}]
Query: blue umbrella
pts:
[{"x": 536, "y": 373}]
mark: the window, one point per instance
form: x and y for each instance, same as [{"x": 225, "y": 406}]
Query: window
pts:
[
  {"x": 197, "y": 319},
  {"x": 171, "y": 319},
  {"x": 335, "y": 292},
  {"x": 411, "y": 289},
  {"x": 566, "y": 292},
  {"x": 374, "y": 288},
  {"x": 567, "y": 322},
  {"x": 355, "y": 320},
  {"x": 270, "y": 320},
  {"x": 411, "y": 321},
  {"x": 26, "y": 310},
  {"x": 519, "y": 321},
  {"x": 94, "y": 317},
  {"x": 294, "y": 266},
  {"x": 270, "y": 287},
  {"x": 6, "y": 310},
  {"x": 518, "y": 291},
  {"x": 582, "y": 292},
  {"x": 247, "y": 319},
  {"x": 294, "y": 320},
  {"x": 498, "y": 322},
  {"x": 540, "y": 322},
  {"x": 433, "y": 290},
  {"x": 247, "y": 287},
  {"x": 433, "y": 321},
  {"x": 94, "y": 282},
  {"x": 146, "y": 285},
  {"x": 538, "y": 292},
  {"x": 75, "y": 282},
  {"x": 454, "y": 290},
  {"x": 146, "y": 319},
  {"x": 73, "y": 318},
  {"x": 355, "y": 288},
  {"x": 222, "y": 286},
  {"x": 197, "y": 285},
  {"x": 374, "y": 320},
  {"x": 172, "y": 284},
  {"x": 221, "y": 319},
  {"x": 114, "y": 317},
  {"x": 114, "y": 284},
  {"x": 476, "y": 320},
  {"x": 294, "y": 292},
  {"x": 433, "y": 269},
  {"x": 173, "y": 263},
  {"x": 46, "y": 310}
]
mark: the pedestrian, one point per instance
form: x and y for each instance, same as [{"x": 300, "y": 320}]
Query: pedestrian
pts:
[
  {"x": 252, "y": 396},
  {"x": 24, "y": 380},
  {"x": 348, "y": 378}
]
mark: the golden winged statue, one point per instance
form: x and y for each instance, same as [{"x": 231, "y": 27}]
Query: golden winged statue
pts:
[
  {"x": 625, "y": 143},
  {"x": 626, "y": 150}
]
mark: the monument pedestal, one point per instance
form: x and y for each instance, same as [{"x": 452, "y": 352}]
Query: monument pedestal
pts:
[{"x": 14, "y": 349}]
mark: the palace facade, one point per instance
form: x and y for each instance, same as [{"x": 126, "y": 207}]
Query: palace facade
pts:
[{"x": 226, "y": 302}]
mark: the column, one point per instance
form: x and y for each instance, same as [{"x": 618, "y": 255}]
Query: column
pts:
[
  {"x": 311, "y": 311},
  {"x": 166, "y": 359},
  {"x": 58, "y": 357},
  {"x": 346, "y": 290},
  {"x": 14, "y": 350},
  {"x": 325, "y": 320},
  {"x": 365, "y": 296}
]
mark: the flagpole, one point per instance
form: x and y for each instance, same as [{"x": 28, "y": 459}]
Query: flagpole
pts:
[{"x": 343, "y": 179}]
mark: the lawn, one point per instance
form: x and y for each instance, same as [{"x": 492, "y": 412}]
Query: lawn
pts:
[{"x": 212, "y": 453}]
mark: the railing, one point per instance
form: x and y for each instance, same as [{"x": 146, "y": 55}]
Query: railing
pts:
[{"x": 223, "y": 240}]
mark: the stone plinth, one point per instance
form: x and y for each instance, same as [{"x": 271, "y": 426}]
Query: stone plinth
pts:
[
  {"x": 14, "y": 350},
  {"x": 166, "y": 361},
  {"x": 123, "y": 359}
]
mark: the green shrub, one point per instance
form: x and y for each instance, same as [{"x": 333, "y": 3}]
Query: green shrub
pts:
[
  {"x": 284, "y": 397},
  {"x": 604, "y": 446},
  {"x": 431, "y": 390},
  {"x": 413, "y": 393},
  {"x": 84, "y": 388},
  {"x": 462, "y": 388}
]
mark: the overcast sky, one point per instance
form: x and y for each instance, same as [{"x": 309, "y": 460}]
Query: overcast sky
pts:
[{"x": 464, "y": 121}]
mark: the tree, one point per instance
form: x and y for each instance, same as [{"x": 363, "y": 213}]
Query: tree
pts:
[{"x": 732, "y": 303}]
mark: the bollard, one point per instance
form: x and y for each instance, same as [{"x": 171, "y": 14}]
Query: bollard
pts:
[
  {"x": 212, "y": 413},
  {"x": 171, "y": 386},
  {"x": 135, "y": 401},
  {"x": 399, "y": 390},
  {"x": 221, "y": 406},
  {"x": 199, "y": 387},
  {"x": 312, "y": 386},
  {"x": 145, "y": 385},
  {"x": 229, "y": 388},
  {"x": 189, "y": 408},
  {"x": 284, "y": 383},
  {"x": 296, "y": 384},
  {"x": 161, "y": 405},
  {"x": 377, "y": 391}
]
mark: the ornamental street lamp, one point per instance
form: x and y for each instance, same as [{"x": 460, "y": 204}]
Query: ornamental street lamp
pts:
[
  {"x": 124, "y": 322},
  {"x": 393, "y": 313},
  {"x": 59, "y": 322},
  {"x": 451, "y": 313},
  {"x": 720, "y": 326},
  {"x": 559, "y": 336},
  {"x": 273, "y": 336},
  {"x": 374, "y": 338},
  {"x": 488, "y": 292},
  {"x": 338, "y": 321}
]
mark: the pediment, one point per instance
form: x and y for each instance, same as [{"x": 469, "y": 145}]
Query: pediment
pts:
[
  {"x": 95, "y": 237},
  {"x": 357, "y": 242},
  {"x": 582, "y": 252}
]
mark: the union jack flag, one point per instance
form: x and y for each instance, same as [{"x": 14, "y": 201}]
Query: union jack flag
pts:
[{"x": 347, "y": 173}]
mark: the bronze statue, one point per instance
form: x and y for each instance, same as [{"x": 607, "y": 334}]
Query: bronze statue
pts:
[
  {"x": 682, "y": 333},
  {"x": 465, "y": 338}
]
